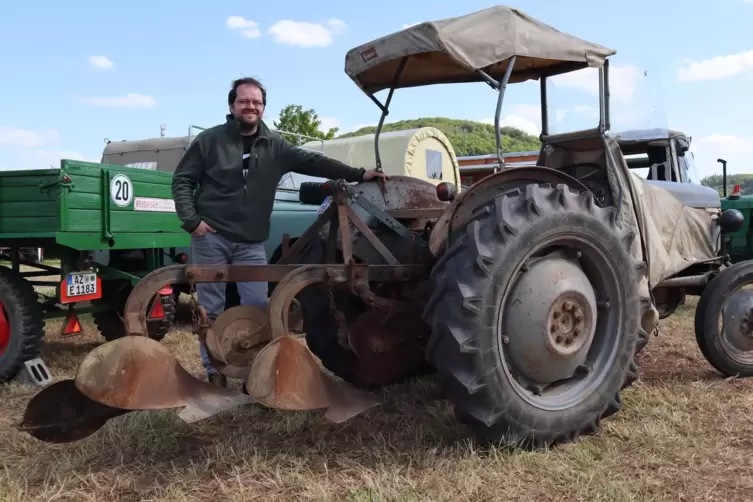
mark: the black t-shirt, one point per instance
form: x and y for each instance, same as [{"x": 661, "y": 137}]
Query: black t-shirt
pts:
[{"x": 247, "y": 142}]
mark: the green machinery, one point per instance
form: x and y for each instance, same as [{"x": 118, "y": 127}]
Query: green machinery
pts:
[
  {"x": 740, "y": 243},
  {"x": 73, "y": 213}
]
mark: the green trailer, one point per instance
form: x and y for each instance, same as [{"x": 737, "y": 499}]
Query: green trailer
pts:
[{"x": 107, "y": 225}]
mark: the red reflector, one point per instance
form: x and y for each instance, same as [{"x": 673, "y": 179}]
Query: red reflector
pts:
[
  {"x": 157, "y": 311},
  {"x": 72, "y": 326}
]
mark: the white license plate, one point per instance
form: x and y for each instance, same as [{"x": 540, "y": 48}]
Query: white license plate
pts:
[
  {"x": 81, "y": 284},
  {"x": 325, "y": 205}
]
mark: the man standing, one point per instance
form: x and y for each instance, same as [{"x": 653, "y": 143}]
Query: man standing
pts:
[{"x": 224, "y": 189}]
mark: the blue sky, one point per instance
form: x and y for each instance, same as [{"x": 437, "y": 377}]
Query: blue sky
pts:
[{"x": 78, "y": 72}]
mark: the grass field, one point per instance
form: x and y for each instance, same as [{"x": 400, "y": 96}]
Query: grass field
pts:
[{"x": 684, "y": 433}]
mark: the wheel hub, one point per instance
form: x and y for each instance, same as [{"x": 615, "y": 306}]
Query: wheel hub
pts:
[
  {"x": 738, "y": 320},
  {"x": 549, "y": 320},
  {"x": 568, "y": 327}
]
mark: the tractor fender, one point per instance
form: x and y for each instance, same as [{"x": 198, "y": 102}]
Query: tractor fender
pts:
[{"x": 463, "y": 206}]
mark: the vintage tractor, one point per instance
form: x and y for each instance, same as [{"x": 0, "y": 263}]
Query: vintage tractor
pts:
[{"x": 529, "y": 294}]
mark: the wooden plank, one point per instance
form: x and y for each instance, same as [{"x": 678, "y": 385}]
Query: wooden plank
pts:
[
  {"x": 137, "y": 221},
  {"x": 84, "y": 183},
  {"x": 28, "y": 225},
  {"x": 83, "y": 220},
  {"x": 25, "y": 181},
  {"x": 29, "y": 194},
  {"x": 83, "y": 200},
  {"x": 10, "y": 210}
]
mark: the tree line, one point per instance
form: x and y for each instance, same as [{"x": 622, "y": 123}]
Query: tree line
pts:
[{"x": 466, "y": 136}]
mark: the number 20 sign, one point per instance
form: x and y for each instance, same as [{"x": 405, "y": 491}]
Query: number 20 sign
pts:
[{"x": 121, "y": 190}]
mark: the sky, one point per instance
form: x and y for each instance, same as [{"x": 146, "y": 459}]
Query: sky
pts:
[{"x": 75, "y": 73}]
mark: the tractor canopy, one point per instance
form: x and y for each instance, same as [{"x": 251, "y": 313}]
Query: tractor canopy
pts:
[{"x": 454, "y": 50}]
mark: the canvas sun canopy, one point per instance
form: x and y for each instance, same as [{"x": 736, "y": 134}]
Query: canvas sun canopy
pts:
[{"x": 452, "y": 50}]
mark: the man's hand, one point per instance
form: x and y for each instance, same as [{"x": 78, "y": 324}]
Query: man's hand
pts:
[
  {"x": 373, "y": 173},
  {"x": 202, "y": 230}
]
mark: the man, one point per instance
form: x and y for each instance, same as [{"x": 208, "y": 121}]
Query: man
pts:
[{"x": 224, "y": 189}]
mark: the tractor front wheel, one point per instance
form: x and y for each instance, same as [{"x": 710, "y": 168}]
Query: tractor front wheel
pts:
[
  {"x": 724, "y": 321},
  {"x": 535, "y": 316},
  {"x": 21, "y": 323}
]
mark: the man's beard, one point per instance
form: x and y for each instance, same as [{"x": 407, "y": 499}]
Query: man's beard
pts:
[{"x": 245, "y": 125}]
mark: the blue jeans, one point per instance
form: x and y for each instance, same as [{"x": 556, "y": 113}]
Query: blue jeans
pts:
[{"x": 213, "y": 249}]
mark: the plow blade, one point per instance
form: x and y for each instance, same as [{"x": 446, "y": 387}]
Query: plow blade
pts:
[
  {"x": 138, "y": 373},
  {"x": 127, "y": 374},
  {"x": 62, "y": 414},
  {"x": 286, "y": 376}
]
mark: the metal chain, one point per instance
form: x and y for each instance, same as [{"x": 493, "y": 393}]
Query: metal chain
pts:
[{"x": 194, "y": 304}]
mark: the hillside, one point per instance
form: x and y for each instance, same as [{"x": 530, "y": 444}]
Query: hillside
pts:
[
  {"x": 744, "y": 180},
  {"x": 467, "y": 137}
]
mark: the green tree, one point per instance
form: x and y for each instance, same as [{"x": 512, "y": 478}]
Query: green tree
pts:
[
  {"x": 294, "y": 119},
  {"x": 716, "y": 182},
  {"x": 466, "y": 136}
]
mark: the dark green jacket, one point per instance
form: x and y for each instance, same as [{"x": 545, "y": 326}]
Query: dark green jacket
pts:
[{"x": 208, "y": 183}]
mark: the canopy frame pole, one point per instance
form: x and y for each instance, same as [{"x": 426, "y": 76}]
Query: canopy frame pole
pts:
[
  {"x": 544, "y": 108},
  {"x": 502, "y": 86},
  {"x": 386, "y": 110}
]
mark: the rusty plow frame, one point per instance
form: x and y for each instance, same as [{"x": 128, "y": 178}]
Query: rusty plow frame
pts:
[{"x": 138, "y": 373}]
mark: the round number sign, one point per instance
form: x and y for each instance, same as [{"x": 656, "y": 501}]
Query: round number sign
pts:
[{"x": 121, "y": 190}]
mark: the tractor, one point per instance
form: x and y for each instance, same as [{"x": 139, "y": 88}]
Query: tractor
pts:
[{"x": 527, "y": 296}]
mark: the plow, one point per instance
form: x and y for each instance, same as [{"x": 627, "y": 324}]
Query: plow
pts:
[
  {"x": 528, "y": 295},
  {"x": 256, "y": 345}
]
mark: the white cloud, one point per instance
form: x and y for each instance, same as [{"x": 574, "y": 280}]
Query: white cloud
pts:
[
  {"x": 246, "y": 27},
  {"x": 24, "y": 138},
  {"x": 736, "y": 150},
  {"x": 623, "y": 81},
  {"x": 717, "y": 67},
  {"x": 101, "y": 62},
  {"x": 524, "y": 117},
  {"x": 130, "y": 100},
  {"x": 306, "y": 34},
  {"x": 728, "y": 142},
  {"x": 337, "y": 25}
]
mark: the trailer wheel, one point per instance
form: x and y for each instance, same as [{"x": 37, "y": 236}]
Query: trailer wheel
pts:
[
  {"x": 724, "y": 321},
  {"x": 21, "y": 324},
  {"x": 110, "y": 323},
  {"x": 535, "y": 316}
]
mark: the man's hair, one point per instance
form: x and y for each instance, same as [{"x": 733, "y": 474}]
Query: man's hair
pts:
[{"x": 246, "y": 81}]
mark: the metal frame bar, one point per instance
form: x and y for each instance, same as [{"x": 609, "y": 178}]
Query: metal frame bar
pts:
[
  {"x": 498, "y": 112},
  {"x": 339, "y": 214}
]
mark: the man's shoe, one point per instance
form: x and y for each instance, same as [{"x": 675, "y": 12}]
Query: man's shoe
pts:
[{"x": 217, "y": 379}]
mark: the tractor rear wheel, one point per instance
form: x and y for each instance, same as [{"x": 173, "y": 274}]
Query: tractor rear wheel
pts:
[
  {"x": 535, "y": 316},
  {"x": 21, "y": 323}
]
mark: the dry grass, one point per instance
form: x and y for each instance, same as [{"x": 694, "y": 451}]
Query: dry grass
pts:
[{"x": 683, "y": 434}]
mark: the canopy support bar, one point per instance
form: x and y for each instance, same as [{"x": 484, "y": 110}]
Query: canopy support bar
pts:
[
  {"x": 386, "y": 110},
  {"x": 498, "y": 113},
  {"x": 544, "y": 109}
]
